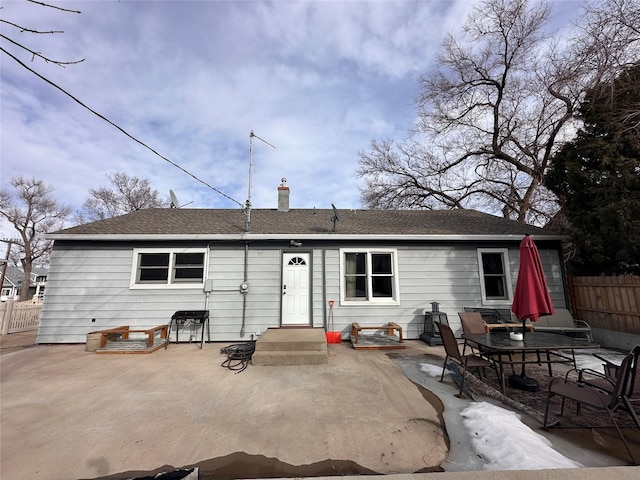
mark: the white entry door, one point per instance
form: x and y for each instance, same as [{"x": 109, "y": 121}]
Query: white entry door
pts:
[{"x": 295, "y": 289}]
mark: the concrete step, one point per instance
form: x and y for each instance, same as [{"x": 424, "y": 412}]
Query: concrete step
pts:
[
  {"x": 291, "y": 346},
  {"x": 292, "y": 339},
  {"x": 292, "y": 357}
]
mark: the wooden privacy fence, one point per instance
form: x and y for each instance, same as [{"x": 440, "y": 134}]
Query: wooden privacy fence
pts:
[
  {"x": 610, "y": 303},
  {"x": 19, "y": 317}
]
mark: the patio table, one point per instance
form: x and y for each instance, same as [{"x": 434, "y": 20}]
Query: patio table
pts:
[{"x": 499, "y": 345}]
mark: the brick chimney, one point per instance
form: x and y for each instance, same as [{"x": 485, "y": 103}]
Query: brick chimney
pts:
[{"x": 283, "y": 196}]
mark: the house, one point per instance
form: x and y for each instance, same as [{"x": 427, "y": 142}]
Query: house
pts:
[
  {"x": 265, "y": 268},
  {"x": 12, "y": 283}
]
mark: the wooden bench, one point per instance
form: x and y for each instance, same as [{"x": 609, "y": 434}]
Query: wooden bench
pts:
[
  {"x": 390, "y": 328},
  {"x": 122, "y": 334}
]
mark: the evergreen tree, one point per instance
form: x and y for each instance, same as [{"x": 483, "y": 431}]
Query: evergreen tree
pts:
[{"x": 597, "y": 179}]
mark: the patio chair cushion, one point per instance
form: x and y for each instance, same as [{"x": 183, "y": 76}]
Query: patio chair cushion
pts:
[{"x": 562, "y": 322}]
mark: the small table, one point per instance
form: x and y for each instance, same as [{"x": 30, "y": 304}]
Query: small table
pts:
[{"x": 499, "y": 344}]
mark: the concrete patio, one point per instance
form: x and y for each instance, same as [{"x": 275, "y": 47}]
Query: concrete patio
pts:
[{"x": 70, "y": 414}]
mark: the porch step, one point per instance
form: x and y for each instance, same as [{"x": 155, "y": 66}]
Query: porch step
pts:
[{"x": 291, "y": 346}]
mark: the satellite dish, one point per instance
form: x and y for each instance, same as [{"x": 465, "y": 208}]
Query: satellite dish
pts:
[
  {"x": 174, "y": 200},
  {"x": 335, "y": 217}
]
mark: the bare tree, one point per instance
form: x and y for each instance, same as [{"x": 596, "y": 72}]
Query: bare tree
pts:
[
  {"x": 33, "y": 212},
  {"x": 499, "y": 103},
  {"x": 126, "y": 194},
  {"x": 610, "y": 39},
  {"x": 608, "y": 47}
]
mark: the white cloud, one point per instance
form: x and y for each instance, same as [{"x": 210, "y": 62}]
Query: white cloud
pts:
[{"x": 191, "y": 79}]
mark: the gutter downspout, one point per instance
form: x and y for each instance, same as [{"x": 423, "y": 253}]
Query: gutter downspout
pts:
[
  {"x": 325, "y": 320},
  {"x": 244, "y": 291}
]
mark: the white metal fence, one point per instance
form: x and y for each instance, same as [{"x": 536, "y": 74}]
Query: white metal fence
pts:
[{"x": 19, "y": 316}]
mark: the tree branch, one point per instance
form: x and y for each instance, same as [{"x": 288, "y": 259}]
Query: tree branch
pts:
[
  {"x": 53, "y": 6},
  {"x": 28, "y": 30},
  {"x": 39, "y": 55}
]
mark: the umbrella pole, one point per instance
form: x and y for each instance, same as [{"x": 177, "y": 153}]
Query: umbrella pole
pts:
[
  {"x": 524, "y": 333},
  {"x": 522, "y": 382}
]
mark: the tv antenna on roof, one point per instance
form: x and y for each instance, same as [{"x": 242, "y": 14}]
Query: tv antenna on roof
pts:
[
  {"x": 248, "y": 204},
  {"x": 335, "y": 217},
  {"x": 174, "y": 201}
]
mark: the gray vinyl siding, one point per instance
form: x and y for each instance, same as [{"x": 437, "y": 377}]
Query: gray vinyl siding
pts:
[
  {"x": 319, "y": 298},
  {"x": 92, "y": 282},
  {"x": 263, "y": 299},
  {"x": 444, "y": 274},
  {"x": 86, "y": 284}
]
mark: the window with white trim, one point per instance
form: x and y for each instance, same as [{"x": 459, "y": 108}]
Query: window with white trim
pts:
[
  {"x": 160, "y": 268},
  {"x": 368, "y": 276},
  {"x": 495, "y": 277}
]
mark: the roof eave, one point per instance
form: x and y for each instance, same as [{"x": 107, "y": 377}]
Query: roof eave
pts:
[{"x": 296, "y": 236}]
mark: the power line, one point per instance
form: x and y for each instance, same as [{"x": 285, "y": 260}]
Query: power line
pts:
[{"x": 121, "y": 129}]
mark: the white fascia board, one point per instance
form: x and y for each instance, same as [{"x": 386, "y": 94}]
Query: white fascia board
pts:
[
  {"x": 125, "y": 237},
  {"x": 296, "y": 236},
  {"x": 395, "y": 237}
]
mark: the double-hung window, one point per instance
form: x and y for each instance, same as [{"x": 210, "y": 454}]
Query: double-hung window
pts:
[
  {"x": 369, "y": 276},
  {"x": 495, "y": 277},
  {"x": 160, "y": 268}
]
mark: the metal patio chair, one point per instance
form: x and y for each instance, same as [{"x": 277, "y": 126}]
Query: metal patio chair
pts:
[
  {"x": 618, "y": 398},
  {"x": 469, "y": 362},
  {"x": 607, "y": 380},
  {"x": 472, "y": 323},
  {"x": 611, "y": 370}
]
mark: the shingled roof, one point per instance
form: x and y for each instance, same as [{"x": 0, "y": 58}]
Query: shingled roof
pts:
[{"x": 230, "y": 223}]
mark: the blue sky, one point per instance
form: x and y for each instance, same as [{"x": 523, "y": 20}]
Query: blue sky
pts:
[{"x": 191, "y": 79}]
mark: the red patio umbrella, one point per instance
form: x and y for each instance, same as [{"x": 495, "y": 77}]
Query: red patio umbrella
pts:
[{"x": 530, "y": 300}]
